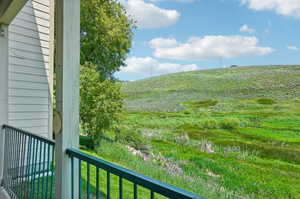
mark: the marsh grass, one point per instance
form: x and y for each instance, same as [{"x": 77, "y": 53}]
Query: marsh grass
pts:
[
  {"x": 266, "y": 101},
  {"x": 230, "y": 123},
  {"x": 223, "y": 157},
  {"x": 199, "y": 104},
  {"x": 233, "y": 132}
]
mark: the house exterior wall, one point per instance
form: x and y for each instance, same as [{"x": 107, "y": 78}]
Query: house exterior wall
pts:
[{"x": 30, "y": 68}]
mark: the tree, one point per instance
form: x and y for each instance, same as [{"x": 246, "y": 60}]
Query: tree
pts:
[
  {"x": 101, "y": 103},
  {"x": 106, "y": 35}
]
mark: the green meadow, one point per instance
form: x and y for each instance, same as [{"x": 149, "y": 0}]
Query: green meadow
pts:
[{"x": 221, "y": 133}]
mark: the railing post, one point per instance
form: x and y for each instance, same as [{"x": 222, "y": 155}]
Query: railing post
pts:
[
  {"x": 3, "y": 89},
  {"x": 67, "y": 84}
]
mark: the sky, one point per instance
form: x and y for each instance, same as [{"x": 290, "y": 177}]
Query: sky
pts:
[{"x": 185, "y": 35}]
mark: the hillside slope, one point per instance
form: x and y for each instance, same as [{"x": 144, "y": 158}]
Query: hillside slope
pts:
[
  {"x": 229, "y": 133},
  {"x": 169, "y": 92}
]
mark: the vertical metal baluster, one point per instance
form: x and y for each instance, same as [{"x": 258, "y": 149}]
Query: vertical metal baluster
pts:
[
  {"x": 39, "y": 171},
  {"x": 79, "y": 162},
  {"x": 11, "y": 159},
  {"x": 135, "y": 196},
  {"x": 3, "y": 130},
  {"x": 21, "y": 172},
  {"x": 120, "y": 188},
  {"x": 48, "y": 170},
  {"x": 7, "y": 136},
  {"x": 17, "y": 161},
  {"x": 88, "y": 180},
  {"x": 43, "y": 169},
  {"x": 6, "y": 146},
  {"x": 6, "y": 156},
  {"x": 108, "y": 185},
  {"x": 72, "y": 177},
  {"x": 19, "y": 164},
  {"x": 17, "y": 173},
  {"x": 32, "y": 168},
  {"x": 97, "y": 183},
  {"x": 152, "y": 195},
  {"x": 35, "y": 166},
  {"x": 28, "y": 165},
  {"x": 52, "y": 171},
  {"x": 22, "y": 164},
  {"x": 13, "y": 170}
]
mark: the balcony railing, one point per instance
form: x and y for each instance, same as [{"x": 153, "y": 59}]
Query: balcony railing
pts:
[
  {"x": 29, "y": 173},
  {"x": 28, "y": 164},
  {"x": 116, "y": 181}
]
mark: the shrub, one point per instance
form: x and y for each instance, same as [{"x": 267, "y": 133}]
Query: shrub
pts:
[
  {"x": 86, "y": 141},
  {"x": 204, "y": 103},
  {"x": 187, "y": 112},
  {"x": 100, "y": 105},
  {"x": 255, "y": 122},
  {"x": 134, "y": 138},
  {"x": 187, "y": 127},
  {"x": 229, "y": 123},
  {"x": 209, "y": 123},
  {"x": 297, "y": 100},
  {"x": 266, "y": 101}
]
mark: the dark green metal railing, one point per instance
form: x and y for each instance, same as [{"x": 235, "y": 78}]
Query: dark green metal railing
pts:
[
  {"x": 29, "y": 173},
  {"x": 101, "y": 179},
  {"x": 28, "y": 164}
]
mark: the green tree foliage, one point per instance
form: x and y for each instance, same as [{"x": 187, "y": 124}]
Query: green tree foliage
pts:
[
  {"x": 101, "y": 103},
  {"x": 106, "y": 35}
]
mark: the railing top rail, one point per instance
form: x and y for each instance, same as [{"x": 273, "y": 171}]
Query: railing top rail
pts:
[
  {"x": 149, "y": 183},
  {"x": 49, "y": 141}
]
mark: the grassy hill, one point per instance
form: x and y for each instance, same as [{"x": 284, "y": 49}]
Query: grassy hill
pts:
[
  {"x": 234, "y": 132},
  {"x": 223, "y": 133},
  {"x": 168, "y": 92}
]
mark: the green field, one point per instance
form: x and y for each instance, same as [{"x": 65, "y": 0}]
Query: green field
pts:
[{"x": 222, "y": 133}]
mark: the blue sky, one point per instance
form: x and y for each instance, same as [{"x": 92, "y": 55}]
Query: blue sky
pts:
[{"x": 184, "y": 35}]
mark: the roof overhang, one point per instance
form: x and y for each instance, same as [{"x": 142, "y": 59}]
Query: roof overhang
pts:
[{"x": 9, "y": 9}]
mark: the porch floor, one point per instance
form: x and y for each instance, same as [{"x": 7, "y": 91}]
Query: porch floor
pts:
[{"x": 3, "y": 194}]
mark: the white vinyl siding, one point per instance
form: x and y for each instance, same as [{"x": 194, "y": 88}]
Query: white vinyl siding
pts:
[{"x": 30, "y": 68}]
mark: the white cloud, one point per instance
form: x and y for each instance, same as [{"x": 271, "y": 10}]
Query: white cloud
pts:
[
  {"x": 149, "y": 15},
  {"x": 282, "y": 7},
  {"x": 293, "y": 48},
  {"x": 163, "y": 42},
  {"x": 151, "y": 66},
  {"x": 246, "y": 28},
  {"x": 209, "y": 48}
]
